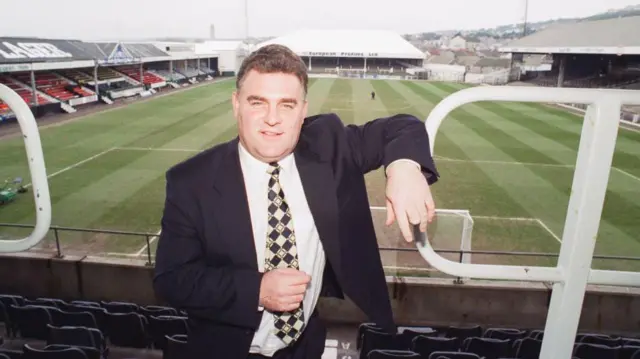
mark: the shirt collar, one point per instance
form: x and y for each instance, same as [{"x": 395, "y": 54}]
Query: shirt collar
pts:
[{"x": 259, "y": 168}]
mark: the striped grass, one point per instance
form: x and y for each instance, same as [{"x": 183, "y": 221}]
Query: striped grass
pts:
[{"x": 498, "y": 160}]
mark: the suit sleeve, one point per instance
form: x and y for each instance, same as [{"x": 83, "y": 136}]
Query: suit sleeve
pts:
[
  {"x": 384, "y": 140},
  {"x": 185, "y": 280}
]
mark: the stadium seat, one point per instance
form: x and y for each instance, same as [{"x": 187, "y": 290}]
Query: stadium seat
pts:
[
  {"x": 120, "y": 307},
  {"x": 162, "y": 326},
  {"x": 127, "y": 330},
  {"x": 527, "y": 348},
  {"x": 463, "y": 333},
  {"x": 31, "y": 321},
  {"x": 453, "y": 355},
  {"x": 176, "y": 346},
  {"x": 392, "y": 354},
  {"x": 361, "y": 329},
  {"x": 373, "y": 339},
  {"x": 157, "y": 311},
  {"x": 629, "y": 352},
  {"x": 504, "y": 333},
  {"x": 11, "y": 353},
  {"x": 595, "y": 351},
  {"x": 78, "y": 336},
  {"x": 427, "y": 345},
  {"x": 598, "y": 339},
  {"x": 488, "y": 348},
  {"x": 29, "y": 352}
]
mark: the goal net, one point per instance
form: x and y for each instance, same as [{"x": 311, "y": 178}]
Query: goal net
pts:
[{"x": 449, "y": 234}]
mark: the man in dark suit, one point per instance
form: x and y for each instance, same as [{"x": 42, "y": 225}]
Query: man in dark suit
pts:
[{"x": 256, "y": 229}]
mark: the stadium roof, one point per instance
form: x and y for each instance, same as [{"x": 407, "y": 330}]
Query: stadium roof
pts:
[
  {"x": 25, "y": 54},
  {"x": 348, "y": 43},
  {"x": 618, "y": 36}
]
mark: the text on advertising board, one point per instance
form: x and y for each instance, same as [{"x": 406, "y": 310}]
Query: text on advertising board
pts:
[{"x": 24, "y": 50}]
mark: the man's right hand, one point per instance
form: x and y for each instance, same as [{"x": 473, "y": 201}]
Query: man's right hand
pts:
[{"x": 283, "y": 289}]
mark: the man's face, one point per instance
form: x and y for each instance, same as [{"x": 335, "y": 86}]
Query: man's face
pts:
[{"x": 270, "y": 109}]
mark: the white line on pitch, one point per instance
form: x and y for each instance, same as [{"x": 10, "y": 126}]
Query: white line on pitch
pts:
[
  {"x": 506, "y": 218},
  {"x": 446, "y": 159},
  {"x": 128, "y": 255},
  {"x": 456, "y": 211},
  {"x": 144, "y": 248},
  {"x": 421, "y": 269},
  {"x": 156, "y": 149},
  {"x": 77, "y": 164},
  {"x": 548, "y": 230},
  {"x": 626, "y": 173}
]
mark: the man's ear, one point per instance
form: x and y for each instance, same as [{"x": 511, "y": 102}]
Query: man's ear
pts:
[
  {"x": 305, "y": 108},
  {"x": 235, "y": 103}
]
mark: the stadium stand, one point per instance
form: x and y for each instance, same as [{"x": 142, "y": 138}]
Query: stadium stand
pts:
[
  {"x": 134, "y": 73},
  {"x": 99, "y": 328},
  {"x": 53, "y": 85},
  {"x": 25, "y": 92},
  {"x": 69, "y": 73},
  {"x": 73, "y": 322},
  {"x": 353, "y": 53},
  {"x": 588, "y": 54}
]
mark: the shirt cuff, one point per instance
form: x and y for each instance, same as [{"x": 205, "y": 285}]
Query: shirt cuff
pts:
[
  {"x": 260, "y": 308},
  {"x": 403, "y": 160}
]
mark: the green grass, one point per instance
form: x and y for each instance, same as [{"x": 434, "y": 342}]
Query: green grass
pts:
[{"x": 509, "y": 164}]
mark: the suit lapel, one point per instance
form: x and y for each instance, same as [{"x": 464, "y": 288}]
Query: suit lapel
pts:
[
  {"x": 316, "y": 175},
  {"x": 232, "y": 208}
]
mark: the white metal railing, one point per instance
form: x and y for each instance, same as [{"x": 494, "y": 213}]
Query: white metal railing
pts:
[
  {"x": 573, "y": 271},
  {"x": 37, "y": 169}
]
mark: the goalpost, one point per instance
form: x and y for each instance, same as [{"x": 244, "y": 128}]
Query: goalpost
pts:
[{"x": 450, "y": 231}]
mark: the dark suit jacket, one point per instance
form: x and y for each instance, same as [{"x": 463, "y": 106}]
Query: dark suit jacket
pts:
[{"x": 206, "y": 258}]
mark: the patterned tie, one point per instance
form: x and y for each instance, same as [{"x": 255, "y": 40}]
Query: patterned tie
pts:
[{"x": 281, "y": 252}]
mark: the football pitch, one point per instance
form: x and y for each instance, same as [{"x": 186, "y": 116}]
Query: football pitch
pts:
[{"x": 510, "y": 164}]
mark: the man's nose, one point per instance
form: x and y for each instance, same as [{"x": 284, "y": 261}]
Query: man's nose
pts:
[{"x": 272, "y": 116}]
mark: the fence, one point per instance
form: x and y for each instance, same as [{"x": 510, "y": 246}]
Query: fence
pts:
[{"x": 59, "y": 231}]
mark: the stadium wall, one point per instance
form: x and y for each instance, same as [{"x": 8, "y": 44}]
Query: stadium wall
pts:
[{"x": 415, "y": 301}]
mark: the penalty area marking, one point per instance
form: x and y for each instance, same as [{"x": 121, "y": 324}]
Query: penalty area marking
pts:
[
  {"x": 448, "y": 159},
  {"x": 156, "y": 149},
  {"x": 386, "y": 109},
  {"x": 496, "y": 218},
  {"x": 151, "y": 240},
  {"x": 77, "y": 164}
]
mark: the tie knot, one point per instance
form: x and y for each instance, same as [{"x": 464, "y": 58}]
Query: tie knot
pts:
[{"x": 274, "y": 169}]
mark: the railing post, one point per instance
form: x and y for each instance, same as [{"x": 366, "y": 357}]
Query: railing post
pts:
[
  {"x": 148, "y": 250},
  {"x": 55, "y": 234},
  {"x": 591, "y": 176},
  {"x": 458, "y": 280}
]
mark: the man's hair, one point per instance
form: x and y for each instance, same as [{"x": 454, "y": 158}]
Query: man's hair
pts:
[{"x": 274, "y": 59}]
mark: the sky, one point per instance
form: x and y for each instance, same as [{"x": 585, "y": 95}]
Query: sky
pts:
[{"x": 136, "y": 19}]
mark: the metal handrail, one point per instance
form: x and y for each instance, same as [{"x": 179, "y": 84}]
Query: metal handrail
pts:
[
  {"x": 39, "y": 183},
  {"x": 459, "y": 252},
  {"x": 573, "y": 271}
]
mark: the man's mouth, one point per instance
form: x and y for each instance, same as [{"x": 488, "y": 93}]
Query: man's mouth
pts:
[{"x": 271, "y": 133}]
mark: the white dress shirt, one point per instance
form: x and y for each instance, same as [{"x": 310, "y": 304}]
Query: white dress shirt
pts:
[{"x": 311, "y": 254}]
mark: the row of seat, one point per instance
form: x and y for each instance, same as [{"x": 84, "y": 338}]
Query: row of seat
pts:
[
  {"x": 134, "y": 73},
  {"x": 81, "y": 343},
  {"x": 25, "y": 93},
  {"x": 492, "y": 343},
  {"x": 122, "y": 324}
]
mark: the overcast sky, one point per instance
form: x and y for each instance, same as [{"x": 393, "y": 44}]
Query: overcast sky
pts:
[{"x": 130, "y": 19}]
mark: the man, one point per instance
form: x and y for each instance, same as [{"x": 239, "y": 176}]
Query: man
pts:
[
  {"x": 256, "y": 229},
  {"x": 373, "y": 95}
]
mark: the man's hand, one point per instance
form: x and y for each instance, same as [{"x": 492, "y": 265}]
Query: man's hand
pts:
[
  {"x": 283, "y": 289},
  {"x": 409, "y": 199}
]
